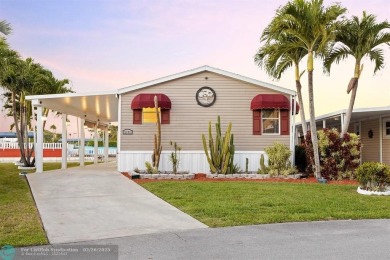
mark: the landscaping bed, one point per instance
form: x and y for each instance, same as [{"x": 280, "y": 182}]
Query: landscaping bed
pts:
[{"x": 239, "y": 179}]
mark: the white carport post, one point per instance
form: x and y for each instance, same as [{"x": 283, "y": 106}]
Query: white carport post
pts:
[
  {"x": 95, "y": 150},
  {"x": 64, "y": 164},
  {"x": 106, "y": 139},
  {"x": 39, "y": 144},
  {"x": 82, "y": 143},
  {"x": 293, "y": 104}
]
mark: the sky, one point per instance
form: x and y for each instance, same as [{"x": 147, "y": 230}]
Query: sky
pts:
[{"x": 109, "y": 44}]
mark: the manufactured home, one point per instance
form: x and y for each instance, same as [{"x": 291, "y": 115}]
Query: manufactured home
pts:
[
  {"x": 260, "y": 113},
  {"x": 371, "y": 124}
]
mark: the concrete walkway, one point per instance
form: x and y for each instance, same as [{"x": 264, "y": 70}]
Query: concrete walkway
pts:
[{"x": 96, "y": 202}]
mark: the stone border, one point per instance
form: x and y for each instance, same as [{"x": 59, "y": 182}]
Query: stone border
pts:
[
  {"x": 250, "y": 176},
  {"x": 378, "y": 193},
  {"x": 191, "y": 176}
]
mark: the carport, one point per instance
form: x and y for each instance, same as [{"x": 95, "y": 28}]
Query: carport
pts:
[{"x": 95, "y": 110}]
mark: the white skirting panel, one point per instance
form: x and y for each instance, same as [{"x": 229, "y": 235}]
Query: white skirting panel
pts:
[{"x": 192, "y": 161}]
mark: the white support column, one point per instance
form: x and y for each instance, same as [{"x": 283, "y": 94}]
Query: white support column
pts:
[
  {"x": 361, "y": 147},
  {"x": 342, "y": 121},
  {"x": 82, "y": 143},
  {"x": 106, "y": 139},
  {"x": 323, "y": 123},
  {"x": 64, "y": 143},
  {"x": 119, "y": 133},
  {"x": 380, "y": 140},
  {"x": 292, "y": 134},
  {"x": 118, "y": 136},
  {"x": 39, "y": 144},
  {"x": 95, "y": 150}
]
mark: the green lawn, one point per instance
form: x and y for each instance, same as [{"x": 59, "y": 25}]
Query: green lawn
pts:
[
  {"x": 219, "y": 204},
  {"x": 19, "y": 220}
]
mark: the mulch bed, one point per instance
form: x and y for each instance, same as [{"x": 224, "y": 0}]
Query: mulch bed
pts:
[{"x": 305, "y": 180}]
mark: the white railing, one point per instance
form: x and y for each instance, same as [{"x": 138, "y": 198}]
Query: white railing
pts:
[
  {"x": 192, "y": 161},
  {"x": 7, "y": 145},
  {"x": 72, "y": 150}
]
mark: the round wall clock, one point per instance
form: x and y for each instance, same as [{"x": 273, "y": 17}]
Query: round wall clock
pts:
[{"x": 205, "y": 96}]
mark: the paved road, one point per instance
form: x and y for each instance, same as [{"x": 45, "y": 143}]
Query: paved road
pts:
[
  {"x": 361, "y": 239},
  {"x": 96, "y": 202}
]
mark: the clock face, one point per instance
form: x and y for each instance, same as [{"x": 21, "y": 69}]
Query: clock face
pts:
[{"x": 206, "y": 96}]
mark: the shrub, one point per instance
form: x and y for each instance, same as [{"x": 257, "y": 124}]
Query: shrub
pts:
[
  {"x": 339, "y": 157},
  {"x": 279, "y": 160},
  {"x": 373, "y": 176}
]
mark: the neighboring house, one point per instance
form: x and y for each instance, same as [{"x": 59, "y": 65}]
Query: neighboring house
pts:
[
  {"x": 373, "y": 126},
  {"x": 260, "y": 114}
]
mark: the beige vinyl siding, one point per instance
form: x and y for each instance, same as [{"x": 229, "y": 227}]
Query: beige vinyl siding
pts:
[
  {"x": 370, "y": 149},
  {"x": 188, "y": 120}
]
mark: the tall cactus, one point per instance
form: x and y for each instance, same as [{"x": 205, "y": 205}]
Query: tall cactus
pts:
[
  {"x": 221, "y": 155},
  {"x": 157, "y": 139}
]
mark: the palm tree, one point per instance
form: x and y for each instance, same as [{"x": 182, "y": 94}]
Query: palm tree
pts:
[
  {"x": 276, "y": 60},
  {"x": 21, "y": 78},
  {"x": 5, "y": 27},
  {"x": 311, "y": 27},
  {"x": 53, "y": 128},
  {"x": 358, "y": 38}
]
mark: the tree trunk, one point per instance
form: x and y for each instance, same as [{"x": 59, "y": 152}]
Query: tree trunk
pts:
[
  {"x": 17, "y": 129},
  {"x": 348, "y": 116},
  {"x": 313, "y": 129},
  {"x": 302, "y": 111}
]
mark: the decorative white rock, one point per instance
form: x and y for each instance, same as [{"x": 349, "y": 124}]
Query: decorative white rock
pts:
[{"x": 379, "y": 193}]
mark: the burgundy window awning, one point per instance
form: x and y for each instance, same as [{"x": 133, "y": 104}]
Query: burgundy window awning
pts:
[
  {"x": 271, "y": 101},
  {"x": 147, "y": 100}
]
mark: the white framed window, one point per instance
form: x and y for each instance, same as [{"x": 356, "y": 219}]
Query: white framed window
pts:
[
  {"x": 270, "y": 121},
  {"x": 386, "y": 128}
]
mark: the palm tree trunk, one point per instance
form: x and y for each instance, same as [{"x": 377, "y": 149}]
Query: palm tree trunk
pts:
[
  {"x": 17, "y": 129},
  {"x": 302, "y": 111},
  {"x": 313, "y": 129},
  {"x": 348, "y": 116}
]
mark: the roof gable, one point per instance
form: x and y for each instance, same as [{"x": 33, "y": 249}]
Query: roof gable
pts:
[{"x": 205, "y": 69}]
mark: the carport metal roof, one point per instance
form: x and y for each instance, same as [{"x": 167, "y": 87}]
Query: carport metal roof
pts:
[
  {"x": 358, "y": 114},
  {"x": 102, "y": 106}
]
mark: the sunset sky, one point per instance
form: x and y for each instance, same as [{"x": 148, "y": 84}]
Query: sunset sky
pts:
[{"x": 109, "y": 44}]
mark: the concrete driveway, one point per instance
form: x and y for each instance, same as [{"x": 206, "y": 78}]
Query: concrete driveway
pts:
[{"x": 96, "y": 202}]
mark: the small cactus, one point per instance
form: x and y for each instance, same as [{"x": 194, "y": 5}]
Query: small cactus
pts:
[
  {"x": 246, "y": 165},
  {"x": 263, "y": 169}
]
